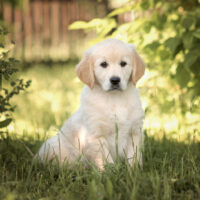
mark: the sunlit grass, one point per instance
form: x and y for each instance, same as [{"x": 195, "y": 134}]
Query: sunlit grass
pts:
[
  {"x": 163, "y": 102},
  {"x": 52, "y": 97}
]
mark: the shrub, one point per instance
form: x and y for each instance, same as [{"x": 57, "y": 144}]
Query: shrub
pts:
[{"x": 12, "y": 87}]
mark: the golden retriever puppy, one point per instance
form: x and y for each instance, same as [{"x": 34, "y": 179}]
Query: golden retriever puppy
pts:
[{"x": 108, "y": 123}]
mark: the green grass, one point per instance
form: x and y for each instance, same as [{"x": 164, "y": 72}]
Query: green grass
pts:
[
  {"x": 171, "y": 171},
  {"x": 171, "y": 167}
]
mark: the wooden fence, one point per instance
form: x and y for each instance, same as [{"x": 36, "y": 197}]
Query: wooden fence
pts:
[{"x": 40, "y": 27}]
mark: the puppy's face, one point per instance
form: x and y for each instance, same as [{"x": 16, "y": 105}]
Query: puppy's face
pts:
[{"x": 111, "y": 64}]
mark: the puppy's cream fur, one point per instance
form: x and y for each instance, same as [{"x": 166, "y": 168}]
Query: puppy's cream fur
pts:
[{"x": 104, "y": 112}]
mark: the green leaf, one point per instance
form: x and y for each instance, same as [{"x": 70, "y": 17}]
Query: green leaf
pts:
[
  {"x": 197, "y": 33},
  {"x": 147, "y": 27},
  {"x": 191, "y": 57},
  {"x": 5, "y": 122},
  {"x": 109, "y": 25},
  {"x": 79, "y": 25},
  {"x": 188, "y": 21},
  {"x": 121, "y": 10},
  {"x": 102, "y": 26},
  {"x": 195, "y": 69},
  {"x": 182, "y": 75},
  {"x": 153, "y": 46},
  {"x": 164, "y": 54},
  {"x": 172, "y": 43},
  {"x": 145, "y": 4},
  {"x": 187, "y": 40}
]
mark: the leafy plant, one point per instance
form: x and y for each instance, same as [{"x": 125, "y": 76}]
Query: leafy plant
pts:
[
  {"x": 7, "y": 70},
  {"x": 168, "y": 33}
]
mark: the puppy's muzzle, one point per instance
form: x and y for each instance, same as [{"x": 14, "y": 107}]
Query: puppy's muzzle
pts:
[{"x": 115, "y": 82}]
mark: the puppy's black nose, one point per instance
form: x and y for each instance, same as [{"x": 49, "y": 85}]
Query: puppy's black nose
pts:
[{"x": 115, "y": 80}]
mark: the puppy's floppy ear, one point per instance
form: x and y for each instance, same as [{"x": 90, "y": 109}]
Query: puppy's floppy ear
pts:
[
  {"x": 85, "y": 70},
  {"x": 138, "y": 65}
]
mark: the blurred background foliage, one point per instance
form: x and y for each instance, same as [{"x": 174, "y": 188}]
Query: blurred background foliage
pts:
[{"x": 167, "y": 36}]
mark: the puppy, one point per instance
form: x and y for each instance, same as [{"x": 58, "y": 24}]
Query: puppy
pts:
[{"x": 108, "y": 123}]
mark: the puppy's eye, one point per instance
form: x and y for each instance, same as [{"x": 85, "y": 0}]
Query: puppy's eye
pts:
[
  {"x": 123, "y": 63},
  {"x": 104, "y": 64}
]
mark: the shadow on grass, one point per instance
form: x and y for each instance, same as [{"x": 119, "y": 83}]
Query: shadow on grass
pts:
[{"x": 170, "y": 171}]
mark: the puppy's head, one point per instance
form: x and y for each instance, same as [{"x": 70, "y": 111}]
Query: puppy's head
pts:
[{"x": 111, "y": 64}]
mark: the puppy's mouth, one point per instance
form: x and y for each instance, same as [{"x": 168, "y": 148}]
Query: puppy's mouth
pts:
[{"x": 115, "y": 88}]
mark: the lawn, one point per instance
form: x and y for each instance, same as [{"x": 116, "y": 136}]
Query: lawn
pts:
[{"x": 171, "y": 167}]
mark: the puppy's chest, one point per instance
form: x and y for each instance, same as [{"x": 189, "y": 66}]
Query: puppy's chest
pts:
[
  {"x": 102, "y": 112},
  {"x": 118, "y": 113},
  {"x": 114, "y": 114}
]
